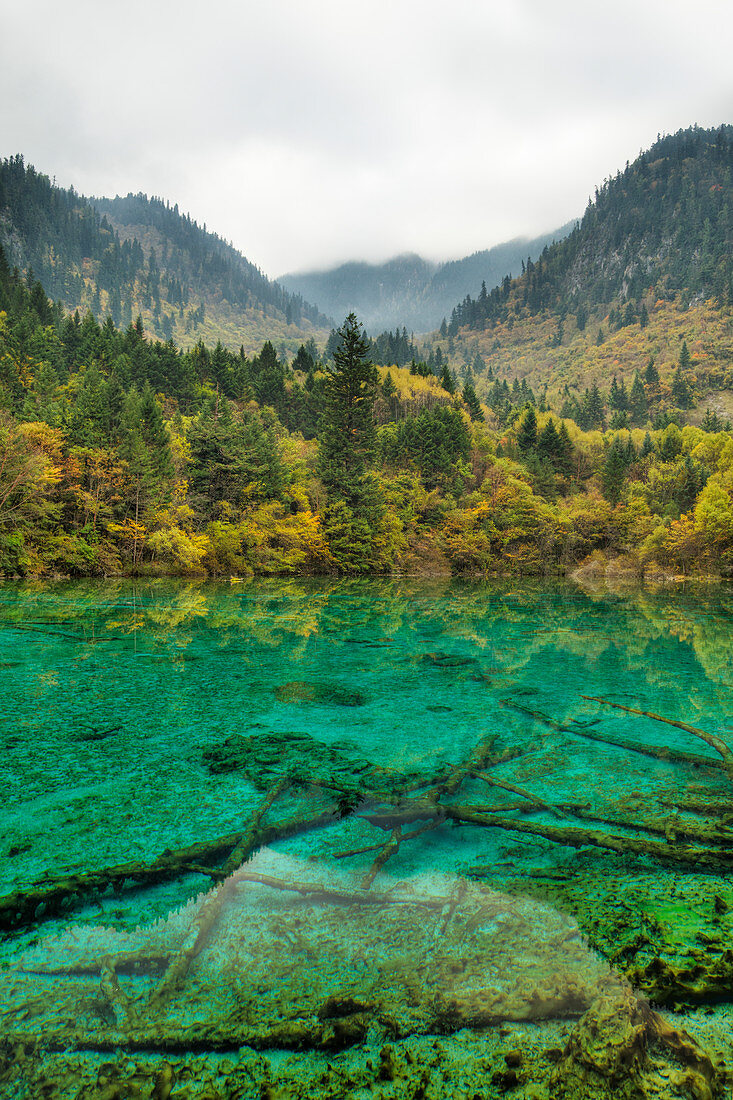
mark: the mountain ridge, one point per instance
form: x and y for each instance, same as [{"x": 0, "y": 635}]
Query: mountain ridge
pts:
[
  {"x": 186, "y": 283},
  {"x": 409, "y": 291}
]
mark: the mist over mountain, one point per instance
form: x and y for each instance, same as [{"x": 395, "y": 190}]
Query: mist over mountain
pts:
[
  {"x": 642, "y": 286},
  {"x": 409, "y": 291}
]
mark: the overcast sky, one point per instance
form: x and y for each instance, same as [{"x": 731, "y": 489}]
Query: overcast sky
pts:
[{"x": 309, "y": 132}]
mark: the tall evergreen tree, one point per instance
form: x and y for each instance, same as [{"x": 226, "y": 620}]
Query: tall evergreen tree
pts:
[
  {"x": 680, "y": 388},
  {"x": 447, "y": 380},
  {"x": 527, "y": 434},
  {"x": 472, "y": 402},
  {"x": 346, "y": 449},
  {"x": 637, "y": 401},
  {"x": 614, "y": 471}
]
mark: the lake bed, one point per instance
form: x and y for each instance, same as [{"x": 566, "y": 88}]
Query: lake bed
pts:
[{"x": 462, "y": 840}]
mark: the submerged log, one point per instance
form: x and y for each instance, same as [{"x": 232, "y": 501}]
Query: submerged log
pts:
[
  {"x": 656, "y": 752},
  {"x": 716, "y": 743},
  {"x": 211, "y": 906},
  {"x": 56, "y": 896}
]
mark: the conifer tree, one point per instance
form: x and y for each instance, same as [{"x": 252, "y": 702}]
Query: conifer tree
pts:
[
  {"x": 474, "y": 407},
  {"x": 347, "y": 435},
  {"x": 549, "y": 445},
  {"x": 527, "y": 434},
  {"x": 447, "y": 381},
  {"x": 637, "y": 401},
  {"x": 614, "y": 471},
  {"x": 680, "y": 388},
  {"x": 346, "y": 449}
]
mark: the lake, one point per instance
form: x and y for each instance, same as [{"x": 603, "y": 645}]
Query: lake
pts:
[{"x": 356, "y": 837}]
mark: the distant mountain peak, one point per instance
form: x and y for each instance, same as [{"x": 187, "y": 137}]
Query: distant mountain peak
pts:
[{"x": 408, "y": 290}]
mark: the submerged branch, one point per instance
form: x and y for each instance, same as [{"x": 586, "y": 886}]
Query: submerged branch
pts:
[
  {"x": 388, "y": 850},
  {"x": 657, "y": 752},
  {"x": 717, "y": 743},
  {"x": 211, "y": 906},
  {"x": 677, "y": 855},
  {"x": 50, "y": 898}
]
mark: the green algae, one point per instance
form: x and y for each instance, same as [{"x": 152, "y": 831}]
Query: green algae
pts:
[{"x": 143, "y": 718}]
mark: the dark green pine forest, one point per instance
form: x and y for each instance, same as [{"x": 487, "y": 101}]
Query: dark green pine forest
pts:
[
  {"x": 182, "y": 280},
  {"x": 575, "y": 416}
]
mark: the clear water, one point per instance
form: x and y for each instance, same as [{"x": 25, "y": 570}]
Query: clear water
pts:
[{"x": 119, "y": 700}]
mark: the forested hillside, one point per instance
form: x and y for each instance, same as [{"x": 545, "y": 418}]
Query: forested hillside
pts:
[
  {"x": 408, "y": 291},
  {"x": 133, "y": 256},
  {"x": 121, "y": 454},
  {"x": 646, "y": 271}
]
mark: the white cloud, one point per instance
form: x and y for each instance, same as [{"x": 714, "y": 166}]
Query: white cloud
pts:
[{"x": 311, "y": 131}]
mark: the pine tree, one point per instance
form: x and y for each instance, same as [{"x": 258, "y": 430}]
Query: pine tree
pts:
[
  {"x": 389, "y": 393},
  {"x": 614, "y": 471},
  {"x": 651, "y": 375},
  {"x": 637, "y": 401},
  {"x": 527, "y": 434},
  {"x": 474, "y": 407},
  {"x": 593, "y": 408},
  {"x": 549, "y": 445},
  {"x": 680, "y": 388},
  {"x": 613, "y": 395},
  {"x": 346, "y": 449},
  {"x": 447, "y": 380}
]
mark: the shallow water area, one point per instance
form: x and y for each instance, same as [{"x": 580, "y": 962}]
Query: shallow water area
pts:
[{"x": 334, "y": 819}]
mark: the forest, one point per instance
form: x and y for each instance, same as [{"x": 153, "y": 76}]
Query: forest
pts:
[
  {"x": 122, "y": 454},
  {"x": 137, "y": 255}
]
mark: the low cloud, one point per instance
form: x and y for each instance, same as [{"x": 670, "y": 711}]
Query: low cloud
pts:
[{"x": 312, "y": 132}]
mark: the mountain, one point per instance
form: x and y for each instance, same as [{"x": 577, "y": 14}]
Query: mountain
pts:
[
  {"x": 648, "y": 269},
  {"x": 408, "y": 291},
  {"x": 137, "y": 255}
]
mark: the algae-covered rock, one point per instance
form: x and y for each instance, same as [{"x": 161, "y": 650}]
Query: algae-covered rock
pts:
[
  {"x": 308, "y": 691},
  {"x": 447, "y": 660},
  {"x": 606, "y": 1055},
  {"x": 708, "y": 978},
  {"x": 666, "y": 934},
  {"x": 622, "y": 1050},
  {"x": 342, "y": 1004},
  {"x": 264, "y": 757}
]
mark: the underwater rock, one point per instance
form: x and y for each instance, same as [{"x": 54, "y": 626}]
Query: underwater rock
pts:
[
  {"x": 708, "y": 980},
  {"x": 268, "y": 756},
  {"x": 97, "y": 735},
  {"x": 163, "y": 1082},
  {"x": 18, "y": 850},
  {"x": 447, "y": 660},
  {"x": 346, "y": 1032},
  {"x": 337, "y": 1005},
  {"x": 606, "y": 1054},
  {"x": 622, "y": 1050},
  {"x": 306, "y": 691},
  {"x": 387, "y": 1069}
]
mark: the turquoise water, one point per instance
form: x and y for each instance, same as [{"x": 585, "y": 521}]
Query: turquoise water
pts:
[{"x": 141, "y": 717}]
